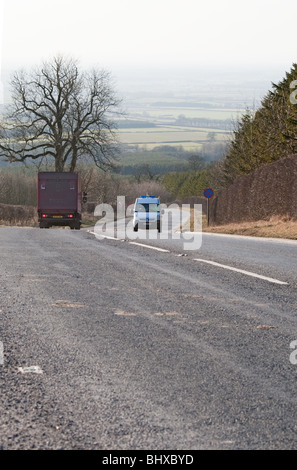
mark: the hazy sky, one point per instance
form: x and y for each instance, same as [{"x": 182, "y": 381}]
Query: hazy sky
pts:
[{"x": 140, "y": 33}]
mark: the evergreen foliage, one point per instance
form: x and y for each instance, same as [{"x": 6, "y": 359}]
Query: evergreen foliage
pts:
[
  {"x": 267, "y": 134},
  {"x": 186, "y": 183}
]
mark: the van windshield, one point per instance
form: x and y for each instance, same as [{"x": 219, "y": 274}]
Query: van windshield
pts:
[{"x": 147, "y": 207}]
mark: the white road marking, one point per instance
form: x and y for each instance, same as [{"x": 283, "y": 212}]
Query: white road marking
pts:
[
  {"x": 248, "y": 273},
  {"x": 106, "y": 236},
  {"x": 132, "y": 243},
  {"x": 149, "y": 246},
  {"x": 231, "y": 268},
  {"x": 30, "y": 369},
  {"x": 124, "y": 313},
  {"x": 103, "y": 236}
]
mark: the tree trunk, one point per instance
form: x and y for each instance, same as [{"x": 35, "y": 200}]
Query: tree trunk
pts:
[{"x": 59, "y": 165}]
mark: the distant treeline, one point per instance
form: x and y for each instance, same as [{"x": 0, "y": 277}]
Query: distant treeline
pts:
[
  {"x": 151, "y": 169},
  {"x": 224, "y": 124},
  {"x": 182, "y": 120},
  {"x": 165, "y": 158},
  {"x": 134, "y": 124}
]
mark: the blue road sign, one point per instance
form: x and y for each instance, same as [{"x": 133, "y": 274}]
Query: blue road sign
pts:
[{"x": 208, "y": 193}]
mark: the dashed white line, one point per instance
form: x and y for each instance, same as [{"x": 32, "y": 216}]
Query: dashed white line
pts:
[
  {"x": 30, "y": 369},
  {"x": 103, "y": 236},
  {"x": 151, "y": 247},
  {"x": 109, "y": 238},
  {"x": 242, "y": 271},
  {"x": 214, "y": 263},
  {"x": 132, "y": 243}
]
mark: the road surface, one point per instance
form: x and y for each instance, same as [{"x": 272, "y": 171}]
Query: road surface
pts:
[{"x": 140, "y": 344}]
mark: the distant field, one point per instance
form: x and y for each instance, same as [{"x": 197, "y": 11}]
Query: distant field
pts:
[
  {"x": 170, "y": 113},
  {"x": 188, "y": 137},
  {"x": 180, "y": 120},
  {"x": 170, "y": 110}
]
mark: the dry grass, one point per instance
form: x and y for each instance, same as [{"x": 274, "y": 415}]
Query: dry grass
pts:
[
  {"x": 275, "y": 227},
  {"x": 23, "y": 216}
]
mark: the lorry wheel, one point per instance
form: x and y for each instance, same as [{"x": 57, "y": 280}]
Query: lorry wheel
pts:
[{"x": 43, "y": 225}]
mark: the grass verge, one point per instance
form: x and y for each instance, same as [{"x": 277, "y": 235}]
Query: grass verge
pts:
[{"x": 275, "y": 227}]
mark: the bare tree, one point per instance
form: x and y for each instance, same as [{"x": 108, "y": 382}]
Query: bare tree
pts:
[
  {"x": 143, "y": 172},
  {"x": 196, "y": 162},
  {"x": 61, "y": 113}
]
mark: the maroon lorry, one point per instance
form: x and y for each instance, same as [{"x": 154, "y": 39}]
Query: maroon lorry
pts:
[{"x": 59, "y": 199}]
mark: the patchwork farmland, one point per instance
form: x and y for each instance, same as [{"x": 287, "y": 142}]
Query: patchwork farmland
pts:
[
  {"x": 154, "y": 121},
  {"x": 188, "y": 137}
]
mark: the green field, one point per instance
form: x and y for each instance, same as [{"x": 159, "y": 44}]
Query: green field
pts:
[
  {"x": 169, "y": 114},
  {"x": 190, "y": 121},
  {"x": 188, "y": 137}
]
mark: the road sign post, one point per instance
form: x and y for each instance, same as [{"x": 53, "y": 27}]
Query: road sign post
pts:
[{"x": 208, "y": 193}]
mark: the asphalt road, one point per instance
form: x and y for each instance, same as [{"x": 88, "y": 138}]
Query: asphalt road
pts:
[{"x": 109, "y": 344}]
